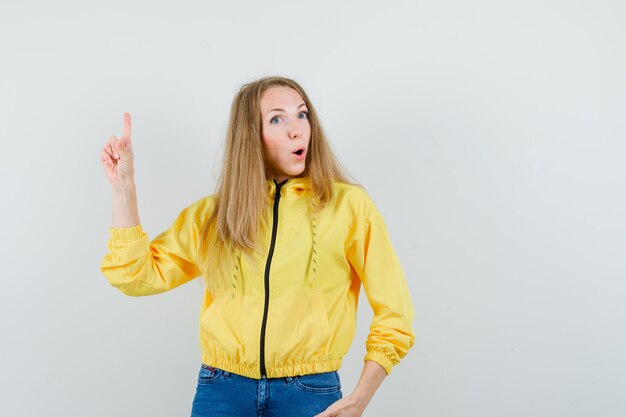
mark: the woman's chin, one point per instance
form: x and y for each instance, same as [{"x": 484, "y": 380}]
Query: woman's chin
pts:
[{"x": 297, "y": 170}]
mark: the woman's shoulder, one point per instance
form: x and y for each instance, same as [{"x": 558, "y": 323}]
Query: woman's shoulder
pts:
[
  {"x": 353, "y": 195},
  {"x": 346, "y": 187},
  {"x": 200, "y": 207}
]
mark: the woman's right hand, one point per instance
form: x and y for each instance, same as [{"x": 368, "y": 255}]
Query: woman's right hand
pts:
[{"x": 117, "y": 156}]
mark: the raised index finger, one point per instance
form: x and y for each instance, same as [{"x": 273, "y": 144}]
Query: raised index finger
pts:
[{"x": 126, "y": 133}]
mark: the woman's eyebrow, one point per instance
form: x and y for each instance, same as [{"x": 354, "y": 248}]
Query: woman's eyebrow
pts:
[{"x": 284, "y": 109}]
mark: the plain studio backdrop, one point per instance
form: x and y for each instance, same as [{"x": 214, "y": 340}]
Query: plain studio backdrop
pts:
[{"x": 490, "y": 134}]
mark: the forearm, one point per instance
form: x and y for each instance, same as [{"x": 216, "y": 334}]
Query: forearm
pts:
[
  {"x": 371, "y": 377},
  {"x": 125, "y": 212}
]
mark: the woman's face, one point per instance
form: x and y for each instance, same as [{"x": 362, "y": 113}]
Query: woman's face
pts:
[{"x": 286, "y": 132}]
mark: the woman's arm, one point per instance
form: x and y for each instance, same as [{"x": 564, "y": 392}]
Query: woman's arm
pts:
[
  {"x": 371, "y": 377},
  {"x": 134, "y": 264},
  {"x": 139, "y": 266},
  {"x": 371, "y": 253},
  {"x": 125, "y": 212},
  {"x": 117, "y": 158}
]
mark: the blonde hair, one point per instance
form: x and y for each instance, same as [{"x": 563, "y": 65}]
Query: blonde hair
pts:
[{"x": 242, "y": 201}]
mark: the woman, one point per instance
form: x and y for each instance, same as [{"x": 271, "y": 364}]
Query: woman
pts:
[{"x": 283, "y": 246}]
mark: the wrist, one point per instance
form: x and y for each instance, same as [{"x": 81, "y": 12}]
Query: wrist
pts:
[
  {"x": 122, "y": 185},
  {"x": 361, "y": 397}
]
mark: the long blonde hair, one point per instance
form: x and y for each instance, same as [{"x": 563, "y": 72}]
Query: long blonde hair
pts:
[{"x": 242, "y": 201}]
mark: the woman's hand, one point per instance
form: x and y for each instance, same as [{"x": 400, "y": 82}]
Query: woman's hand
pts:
[
  {"x": 117, "y": 156},
  {"x": 349, "y": 406}
]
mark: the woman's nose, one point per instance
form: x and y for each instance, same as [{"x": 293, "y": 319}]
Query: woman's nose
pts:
[{"x": 294, "y": 130}]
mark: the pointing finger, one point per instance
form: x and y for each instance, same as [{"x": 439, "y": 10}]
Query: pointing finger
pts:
[{"x": 126, "y": 134}]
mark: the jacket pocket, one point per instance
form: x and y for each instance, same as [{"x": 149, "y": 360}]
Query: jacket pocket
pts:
[
  {"x": 317, "y": 306},
  {"x": 297, "y": 330}
]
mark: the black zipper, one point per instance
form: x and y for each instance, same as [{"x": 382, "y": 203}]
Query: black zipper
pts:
[{"x": 267, "y": 275}]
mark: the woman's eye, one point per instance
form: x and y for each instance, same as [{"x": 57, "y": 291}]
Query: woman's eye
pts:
[{"x": 306, "y": 114}]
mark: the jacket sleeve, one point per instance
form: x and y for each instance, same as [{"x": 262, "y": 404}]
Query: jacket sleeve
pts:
[
  {"x": 137, "y": 266},
  {"x": 371, "y": 254}
]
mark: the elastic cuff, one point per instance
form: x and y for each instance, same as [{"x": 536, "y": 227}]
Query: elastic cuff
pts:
[
  {"x": 126, "y": 233},
  {"x": 380, "y": 358}
]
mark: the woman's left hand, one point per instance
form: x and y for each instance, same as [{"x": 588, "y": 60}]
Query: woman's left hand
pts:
[{"x": 348, "y": 406}]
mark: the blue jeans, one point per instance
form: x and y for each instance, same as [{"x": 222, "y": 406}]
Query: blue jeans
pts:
[{"x": 222, "y": 393}]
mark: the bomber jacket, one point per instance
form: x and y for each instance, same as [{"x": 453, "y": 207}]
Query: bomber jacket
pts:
[{"x": 292, "y": 311}]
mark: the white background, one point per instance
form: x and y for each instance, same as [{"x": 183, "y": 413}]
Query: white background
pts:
[{"x": 489, "y": 133}]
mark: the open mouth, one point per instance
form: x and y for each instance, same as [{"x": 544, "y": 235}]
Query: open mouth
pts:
[{"x": 299, "y": 152}]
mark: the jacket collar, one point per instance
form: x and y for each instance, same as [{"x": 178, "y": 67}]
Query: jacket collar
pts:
[{"x": 293, "y": 186}]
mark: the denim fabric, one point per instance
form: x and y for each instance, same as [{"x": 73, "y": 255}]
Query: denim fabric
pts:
[{"x": 221, "y": 393}]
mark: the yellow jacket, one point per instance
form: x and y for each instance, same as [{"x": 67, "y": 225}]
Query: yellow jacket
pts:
[{"x": 294, "y": 311}]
